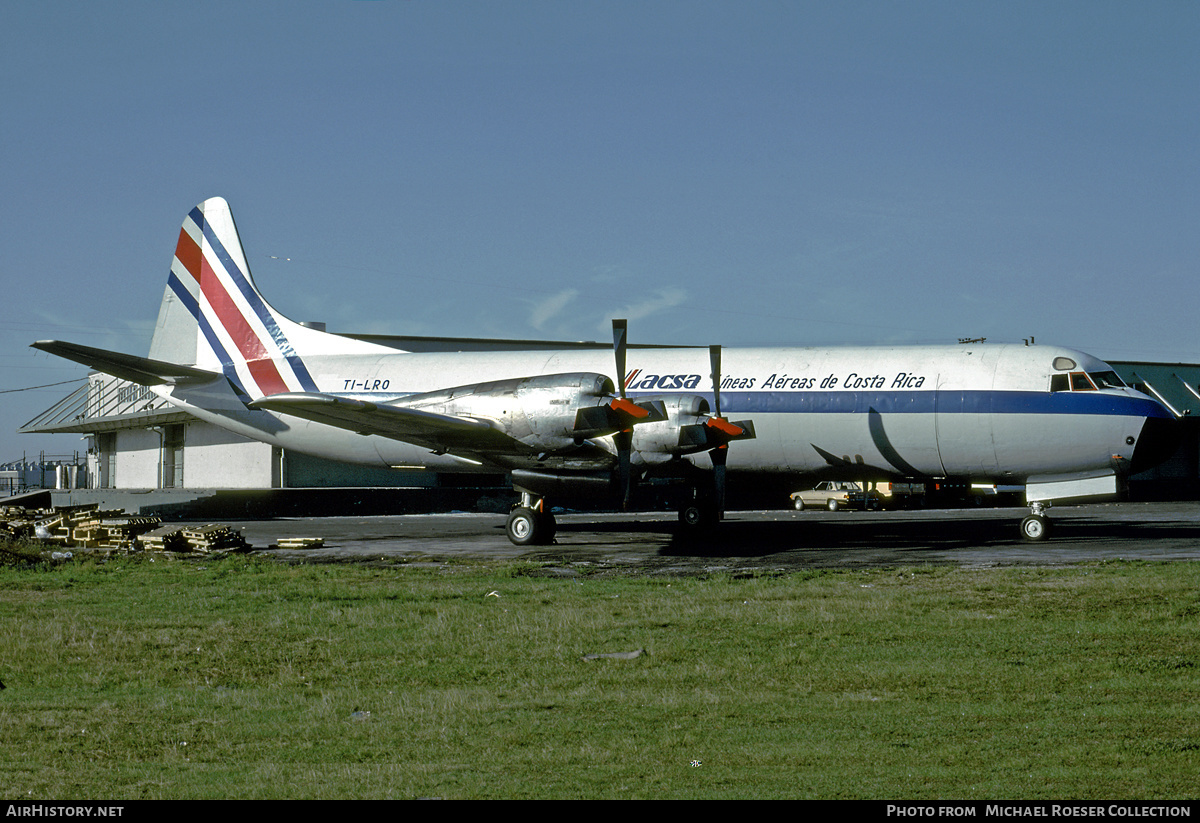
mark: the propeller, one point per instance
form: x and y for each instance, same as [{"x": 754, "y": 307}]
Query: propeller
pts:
[
  {"x": 719, "y": 432},
  {"x": 623, "y": 439},
  {"x": 619, "y": 415},
  {"x": 714, "y": 433},
  {"x": 720, "y": 454}
]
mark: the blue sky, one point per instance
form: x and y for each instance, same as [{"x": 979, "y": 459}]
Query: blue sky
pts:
[{"x": 744, "y": 173}]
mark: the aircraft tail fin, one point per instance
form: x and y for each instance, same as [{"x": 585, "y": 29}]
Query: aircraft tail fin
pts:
[{"x": 213, "y": 317}]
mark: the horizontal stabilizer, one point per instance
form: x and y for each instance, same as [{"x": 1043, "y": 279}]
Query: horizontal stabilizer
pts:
[
  {"x": 129, "y": 367},
  {"x": 439, "y": 432}
]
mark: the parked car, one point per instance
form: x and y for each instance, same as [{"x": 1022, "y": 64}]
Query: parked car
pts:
[{"x": 834, "y": 495}]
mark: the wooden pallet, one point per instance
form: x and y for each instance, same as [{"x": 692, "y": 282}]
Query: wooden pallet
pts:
[
  {"x": 214, "y": 538},
  {"x": 300, "y": 542},
  {"x": 86, "y": 526}
]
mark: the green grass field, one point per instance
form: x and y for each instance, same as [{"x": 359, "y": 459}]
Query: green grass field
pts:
[{"x": 244, "y": 678}]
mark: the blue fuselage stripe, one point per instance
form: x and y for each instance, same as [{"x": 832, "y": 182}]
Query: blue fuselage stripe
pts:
[{"x": 941, "y": 402}]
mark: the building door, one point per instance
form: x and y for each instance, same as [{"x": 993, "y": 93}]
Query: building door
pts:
[{"x": 172, "y": 456}]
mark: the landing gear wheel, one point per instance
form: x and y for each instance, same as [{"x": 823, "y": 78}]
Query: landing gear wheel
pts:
[
  {"x": 697, "y": 518},
  {"x": 1035, "y": 527},
  {"x": 527, "y": 527}
]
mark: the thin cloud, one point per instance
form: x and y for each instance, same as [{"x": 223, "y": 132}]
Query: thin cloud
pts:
[
  {"x": 660, "y": 301},
  {"x": 546, "y": 310}
]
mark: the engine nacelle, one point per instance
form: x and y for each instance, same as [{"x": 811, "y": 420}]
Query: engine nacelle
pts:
[
  {"x": 689, "y": 428},
  {"x": 660, "y": 441},
  {"x": 540, "y": 412},
  {"x": 593, "y": 486}
]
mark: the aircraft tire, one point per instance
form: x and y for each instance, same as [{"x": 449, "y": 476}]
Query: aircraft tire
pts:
[
  {"x": 1035, "y": 527},
  {"x": 549, "y": 527},
  {"x": 695, "y": 517},
  {"x": 526, "y": 527}
]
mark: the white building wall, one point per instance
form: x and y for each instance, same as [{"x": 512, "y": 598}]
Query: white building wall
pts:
[
  {"x": 217, "y": 459},
  {"x": 137, "y": 459}
]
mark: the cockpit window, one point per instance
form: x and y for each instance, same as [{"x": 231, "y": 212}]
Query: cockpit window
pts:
[
  {"x": 1080, "y": 382},
  {"x": 1107, "y": 380},
  {"x": 1086, "y": 381}
]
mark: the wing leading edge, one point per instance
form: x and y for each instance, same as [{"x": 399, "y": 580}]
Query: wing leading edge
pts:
[{"x": 437, "y": 432}]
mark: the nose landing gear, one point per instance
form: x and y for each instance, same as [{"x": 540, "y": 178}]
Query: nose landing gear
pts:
[{"x": 1036, "y": 525}]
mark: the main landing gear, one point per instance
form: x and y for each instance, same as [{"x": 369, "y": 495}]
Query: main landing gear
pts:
[
  {"x": 699, "y": 514},
  {"x": 695, "y": 517},
  {"x": 1036, "y": 525},
  {"x": 529, "y": 524}
]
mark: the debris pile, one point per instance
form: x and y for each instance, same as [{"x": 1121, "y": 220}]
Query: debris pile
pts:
[
  {"x": 111, "y": 530},
  {"x": 163, "y": 539},
  {"x": 213, "y": 539},
  {"x": 87, "y": 526},
  {"x": 18, "y": 523}
]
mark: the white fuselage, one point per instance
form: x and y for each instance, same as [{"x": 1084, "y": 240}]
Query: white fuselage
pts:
[{"x": 972, "y": 411}]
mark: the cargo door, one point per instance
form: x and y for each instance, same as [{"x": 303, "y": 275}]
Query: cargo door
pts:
[{"x": 965, "y": 433}]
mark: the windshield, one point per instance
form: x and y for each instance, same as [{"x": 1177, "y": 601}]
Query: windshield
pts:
[
  {"x": 1107, "y": 380},
  {"x": 1086, "y": 381}
]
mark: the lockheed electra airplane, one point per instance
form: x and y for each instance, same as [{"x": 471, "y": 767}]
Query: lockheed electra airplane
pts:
[{"x": 591, "y": 423}]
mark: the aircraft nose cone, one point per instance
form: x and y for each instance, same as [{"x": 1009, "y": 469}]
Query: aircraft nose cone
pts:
[{"x": 1159, "y": 439}]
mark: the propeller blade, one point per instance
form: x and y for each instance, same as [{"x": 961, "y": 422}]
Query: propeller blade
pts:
[
  {"x": 714, "y": 358},
  {"x": 719, "y": 455},
  {"x": 727, "y": 431},
  {"x": 624, "y": 442},
  {"x": 620, "y": 331},
  {"x": 623, "y": 439}
]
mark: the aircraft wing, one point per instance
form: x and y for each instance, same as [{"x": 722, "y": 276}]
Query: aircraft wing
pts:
[
  {"x": 129, "y": 367},
  {"x": 439, "y": 432}
]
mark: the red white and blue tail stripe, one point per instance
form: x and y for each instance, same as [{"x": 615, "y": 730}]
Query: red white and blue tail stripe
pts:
[{"x": 259, "y": 350}]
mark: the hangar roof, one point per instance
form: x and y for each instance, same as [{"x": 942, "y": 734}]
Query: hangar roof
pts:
[
  {"x": 105, "y": 403},
  {"x": 452, "y": 344},
  {"x": 1175, "y": 384}
]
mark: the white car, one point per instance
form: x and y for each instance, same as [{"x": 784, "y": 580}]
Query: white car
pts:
[{"x": 832, "y": 495}]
